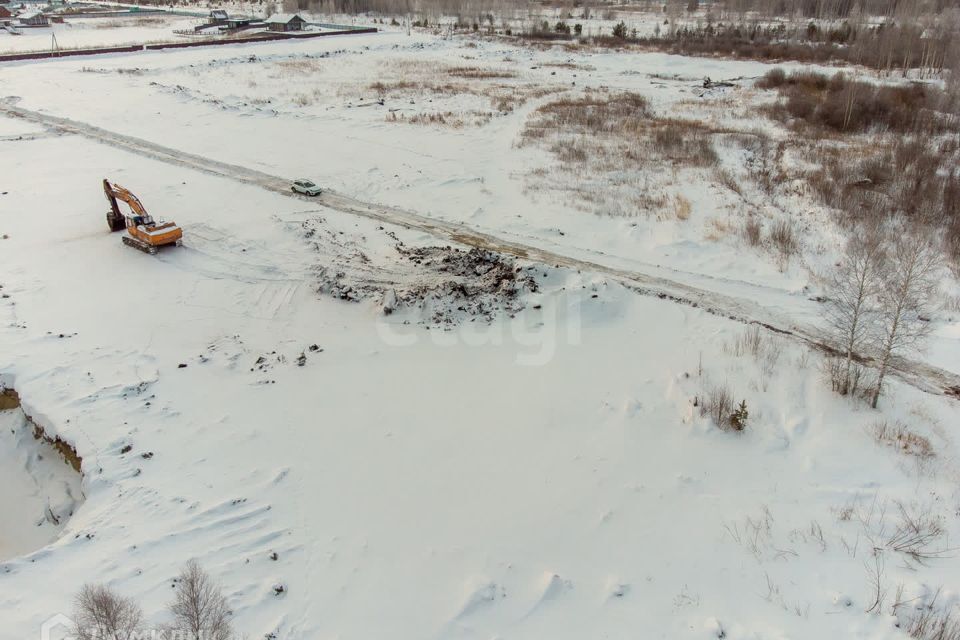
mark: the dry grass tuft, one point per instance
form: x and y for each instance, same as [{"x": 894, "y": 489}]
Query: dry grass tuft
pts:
[
  {"x": 614, "y": 156},
  {"x": 299, "y": 66},
  {"x": 762, "y": 346},
  {"x": 901, "y": 438},
  {"x": 727, "y": 179},
  {"x": 717, "y": 229},
  {"x": 752, "y": 231},
  {"x": 784, "y": 239},
  {"x": 488, "y": 91},
  {"x": 476, "y": 73}
]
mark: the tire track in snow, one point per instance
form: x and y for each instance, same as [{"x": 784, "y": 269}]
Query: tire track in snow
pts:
[{"x": 916, "y": 373}]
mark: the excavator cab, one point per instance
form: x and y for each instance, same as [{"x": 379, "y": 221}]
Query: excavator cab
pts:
[{"x": 143, "y": 232}]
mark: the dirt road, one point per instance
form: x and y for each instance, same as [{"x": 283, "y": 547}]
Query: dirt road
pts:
[{"x": 919, "y": 374}]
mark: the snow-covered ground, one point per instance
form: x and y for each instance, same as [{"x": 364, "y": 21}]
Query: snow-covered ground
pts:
[{"x": 546, "y": 474}]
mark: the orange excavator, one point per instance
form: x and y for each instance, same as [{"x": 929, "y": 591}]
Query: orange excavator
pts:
[{"x": 142, "y": 232}]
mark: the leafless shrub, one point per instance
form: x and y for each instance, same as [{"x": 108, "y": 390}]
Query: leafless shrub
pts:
[
  {"x": 752, "y": 231},
  {"x": 784, "y": 239},
  {"x": 727, "y": 179},
  {"x": 899, "y": 436},
  {"x": 302, "y": 100},
  {"x": 906, "y": 178},
  {"x": 918, "y": 533},
  {"x": 764, "y": 164},
  {"x": 199, "y": 608},
  {"x": 718, "y": 404},
  {"x": 811, "y": 535},
  {"x": 855, "y": 380},
  {"x": 684, "y": 142},
  {"x": 754, "y": 533},
  {"x": 842, "y": 104},
  {"x": 914, "y": 530},
  {"x": 99, "y": 613},
  {"x": 950, "y": 303},
  {"x": 930, "y": 621},
  {"x": 681, "y": 208},
  {"x": 772, "y": 79},
  {"x": 764, "y": 348},
  {"x": 750, "y": 341}
]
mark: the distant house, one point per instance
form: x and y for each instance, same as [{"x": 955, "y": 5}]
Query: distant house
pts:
[
  {"x": 240, "y": 23},
  {"x": 33, "y": 19},
  {"x": 285, "y": 22},
  {"x": 218, "y": 16}
]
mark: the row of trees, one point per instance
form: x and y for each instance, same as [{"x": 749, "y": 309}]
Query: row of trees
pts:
[
  {"x": 198, "y": 611},
  {"x": 929, "y": 46},
  {"x": 838, "y": 9},
  {"x": 880, "y": 296}
]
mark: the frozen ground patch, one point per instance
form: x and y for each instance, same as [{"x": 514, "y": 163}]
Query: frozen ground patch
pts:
[{"x": 442, "y": 285}]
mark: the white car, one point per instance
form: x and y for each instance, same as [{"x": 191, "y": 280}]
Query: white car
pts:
[{"x": 306, "y": 187}]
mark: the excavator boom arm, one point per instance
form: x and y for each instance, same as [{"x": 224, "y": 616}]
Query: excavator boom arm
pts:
[{"x": 115, "y": 192}]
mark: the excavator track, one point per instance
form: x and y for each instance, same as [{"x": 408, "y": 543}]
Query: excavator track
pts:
[{"x": 137, "y": 244}]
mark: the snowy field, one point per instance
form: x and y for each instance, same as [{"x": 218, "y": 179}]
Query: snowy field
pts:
[
  {"x": 86, "y": 33},
  {"x": 533, "y": 466}
]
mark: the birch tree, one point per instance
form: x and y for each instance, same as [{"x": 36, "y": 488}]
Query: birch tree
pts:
[
  {"x": 855, "y": 287},
  {"x": 199, "y": 609},
  {"x": 102, "y": 614},
  {"x": 909, "y": 286}
]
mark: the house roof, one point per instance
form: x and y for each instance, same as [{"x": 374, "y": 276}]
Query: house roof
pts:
[
  {"x": 283, "y": 18},
  {"x": 220, "y": 14},
  {"x": 30, "y": 14}
]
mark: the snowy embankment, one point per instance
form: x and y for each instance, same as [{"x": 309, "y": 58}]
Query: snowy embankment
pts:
[
  {"x": 40, "y": 489},
  {"x": 548, "y": 473}
]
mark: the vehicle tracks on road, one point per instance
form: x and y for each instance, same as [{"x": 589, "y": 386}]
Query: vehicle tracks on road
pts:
[{"x": 919, "y": 374}]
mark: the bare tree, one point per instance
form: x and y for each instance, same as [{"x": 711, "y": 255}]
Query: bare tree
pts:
[
  {"x": 199, "y": 608},
  {"x": 909, "y": 286},
  {"x": 854, "y": 288},
  {"x": 102, "y": 614}
]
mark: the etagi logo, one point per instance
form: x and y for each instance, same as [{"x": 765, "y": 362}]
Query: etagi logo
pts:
[
  {"x": 534, "y": 334},
  {"x": 61, "y": 627},
  {"x": 58, "y": 627}
]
